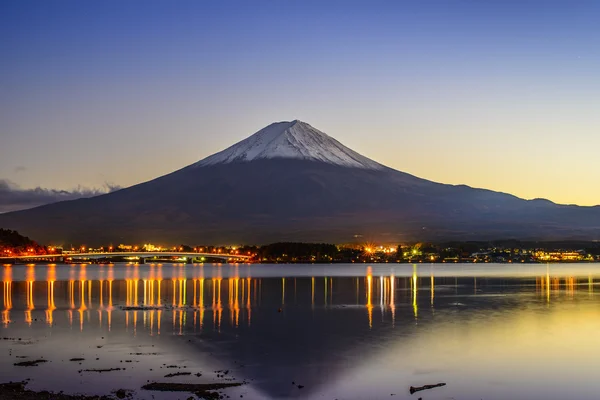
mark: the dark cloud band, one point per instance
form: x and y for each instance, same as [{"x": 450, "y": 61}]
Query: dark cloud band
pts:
[{"x": 13, "y": 198}]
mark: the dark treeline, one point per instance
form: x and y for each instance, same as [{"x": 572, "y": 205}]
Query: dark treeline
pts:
[
  {"x": 495, "y": 251},
  {"x": 305, "y": 252},
  {"x": 590, "y": 247},
  {"x": 12, "y": 241}
]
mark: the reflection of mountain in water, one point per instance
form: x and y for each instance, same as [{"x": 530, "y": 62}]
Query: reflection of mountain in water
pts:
[{"x": 271, "y": 330}]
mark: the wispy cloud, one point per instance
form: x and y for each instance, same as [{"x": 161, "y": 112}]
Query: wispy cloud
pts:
[
  {"x": 20, "y": 168},
  {"x": 13, "y": 198}
]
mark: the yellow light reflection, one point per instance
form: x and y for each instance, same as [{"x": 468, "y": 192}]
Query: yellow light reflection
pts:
[
  {"x": 82, "y": 305},
  {"x": 158, "y": 319},
  {"x": 110, "y": 302},
  {"x": 414, "y": 292},
  {"x": 392, "y": 298},
  {"x": 548, "y": 283},
  {"x": 7, "y": 295},
  {"x": 248, "y": 304},
  {"x": 312, "y": 285},
  {"x": 30, "y": 279},
  {"x": 236, "y": 304},
  {"x": 216, "y": 303},
  {"x": 381, "y": 294},
  {"x": 51, "y": 306},
  {"x": 152, "y": 322},
  {"x": 432, "y": 289},
  {"x": 201, "y": 301},
  {"x": 369, "y": 296}
]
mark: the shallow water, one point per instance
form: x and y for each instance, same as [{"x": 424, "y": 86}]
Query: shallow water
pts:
[{"x": 353, "y": 331}]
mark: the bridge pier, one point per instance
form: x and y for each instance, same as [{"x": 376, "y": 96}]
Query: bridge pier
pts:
[
  {"x": 189, "y": 260},
  {"x": 142, "y": 260}
]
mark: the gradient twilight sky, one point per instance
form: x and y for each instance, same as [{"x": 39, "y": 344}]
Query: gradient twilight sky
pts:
[{"x": 503, "y": 95}]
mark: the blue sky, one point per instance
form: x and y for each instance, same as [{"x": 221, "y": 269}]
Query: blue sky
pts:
[{"x": 502, "y": 95}]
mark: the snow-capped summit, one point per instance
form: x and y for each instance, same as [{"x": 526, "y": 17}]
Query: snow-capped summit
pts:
[{"x": 295, "y": 139}]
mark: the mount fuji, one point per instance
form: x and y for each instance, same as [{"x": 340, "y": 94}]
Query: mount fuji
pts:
[{"x": 292, "y": 182}]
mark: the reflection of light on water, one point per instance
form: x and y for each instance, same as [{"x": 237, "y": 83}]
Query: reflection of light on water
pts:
[
  {"x": 392, "y": 298},
  {"x": 182, "y": 292},
  {"x": 548, "y": 283},
  {"x": 432, "y": 289},
  {"x": 110, "y": 303},
  {"x": 159, "y": 314},
  {"x": 146, "y": 293},
  {"x": 570, "y": 286},
  {"x": 158, "y": 293},
  {"x": 312, "y": 285},
  {"x": 88, "y": 298},
  {"x": 128, "y": 292},
  {"x": 82, "y": 306},
  {"x": 414, "y": 291},
  {"x": 201, "y": 301},
  {"x": 369, "y": 296},
  {"x": 30, "y": 279},
  {"x": 82, "y": 285},
  {"x": 151, "y": 322},
  {"x": 101, "y": 300},
  {"x": 216, "y": 303},
  {"x": 234, "y": 309},
  {"x": 30, "y": 273},
  {"x": 7, "y": 294},
  {"x": 236, "y": 304},
  {"x": 381, "y": 294},
  {"x": 30, "y": 305},
  {"x": 51, "y": 278},
  {"x": 248, "y": 304},
  {"x": 101, "y": 305}
]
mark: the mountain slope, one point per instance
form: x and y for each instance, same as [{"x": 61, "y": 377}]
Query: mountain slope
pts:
[{"x": 290, "y": 181}]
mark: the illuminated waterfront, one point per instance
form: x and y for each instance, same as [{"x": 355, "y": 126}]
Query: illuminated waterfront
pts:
[{"x": 488, "y": 331}]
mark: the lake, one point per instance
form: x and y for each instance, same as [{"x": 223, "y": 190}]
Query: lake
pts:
[{"x": 342, "y": 331}]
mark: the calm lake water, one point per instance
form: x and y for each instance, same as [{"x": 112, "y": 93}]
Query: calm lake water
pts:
[{"x": 340, "y": 331}]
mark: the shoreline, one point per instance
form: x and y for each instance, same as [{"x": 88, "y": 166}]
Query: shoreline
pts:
[{"x": 208, "y": 391}]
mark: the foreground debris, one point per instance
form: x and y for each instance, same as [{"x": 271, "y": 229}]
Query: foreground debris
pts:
[
  {"x": 177, "y": 374},
  {"x": 414, "y": 389},
  {"x": 17, "y": 391},
  {"x": 202, "y": 390},
  {"x": 30, "y": 363},
  {"x": 101, "y": 370}
]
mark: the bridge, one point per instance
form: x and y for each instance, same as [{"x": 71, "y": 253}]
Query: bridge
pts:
[{"x": 140, "y": 255}]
